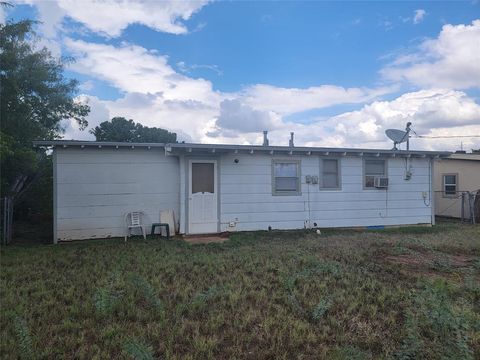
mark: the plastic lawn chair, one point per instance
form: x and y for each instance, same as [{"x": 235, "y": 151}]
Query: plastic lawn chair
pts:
[{"x": 134, "y": 220}]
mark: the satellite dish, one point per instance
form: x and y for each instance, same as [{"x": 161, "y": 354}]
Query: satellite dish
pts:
[{"x": 397, "y": 136}]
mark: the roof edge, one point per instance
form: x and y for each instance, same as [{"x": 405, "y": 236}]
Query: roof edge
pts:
[{"x": 229, "y": 147}]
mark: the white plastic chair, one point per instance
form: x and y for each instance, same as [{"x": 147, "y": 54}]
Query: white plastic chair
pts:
[{"x": 134, "y": 220}]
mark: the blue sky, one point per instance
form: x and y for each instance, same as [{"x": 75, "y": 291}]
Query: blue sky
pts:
[{"x": 336, "y": 73}]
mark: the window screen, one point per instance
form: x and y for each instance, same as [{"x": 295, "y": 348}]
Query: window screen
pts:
[
  {"x": 450, "y": 184},
  {"x": 330, "y": 174},
  {"x": 373, "y": 168},
  {"x": 203, "y": 177},
  {"x": 286, "y": 177}
]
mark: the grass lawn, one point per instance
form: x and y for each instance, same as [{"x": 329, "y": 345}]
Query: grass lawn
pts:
[{"x": 410, "y": 293}]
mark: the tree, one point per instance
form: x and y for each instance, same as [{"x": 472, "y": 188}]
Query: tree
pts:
[
  {"x": 35, "y": 97},
  {"x": 121, "y": 129}
]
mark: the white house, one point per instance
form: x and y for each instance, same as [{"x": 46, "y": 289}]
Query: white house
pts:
[{"x": 217, "y": 188}]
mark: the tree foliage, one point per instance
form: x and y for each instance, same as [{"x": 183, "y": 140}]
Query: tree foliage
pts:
[
  {"x": 35, "y": 97},
  {"x": 121, "y": 129}
]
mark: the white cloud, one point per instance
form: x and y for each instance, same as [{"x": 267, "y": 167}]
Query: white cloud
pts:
[
  {"x": 185, "y": 68},
  {"x": 236, "y": 117},
  {"x": 452, "y": 60},
  {"x": 98, "y": 113},
  {"x": 191, "y": 118},
  {"x": 291, "y": 100},
  {"x": 418, "y": 16},
  {"x": 430, "y": 111},
  {"x": 132, "y": 68},
  {"x": 111, "y": 17},
  {"x": 87, "y": 85},
  {"x": 155, "y": 94}
]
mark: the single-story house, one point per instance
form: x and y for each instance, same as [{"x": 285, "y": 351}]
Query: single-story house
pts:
[
  {"x": 217, "y": 188},
  {"x": 456, "y": 178}
]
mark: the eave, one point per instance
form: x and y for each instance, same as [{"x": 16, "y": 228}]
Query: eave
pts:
[{"x": 202, "y": 149}]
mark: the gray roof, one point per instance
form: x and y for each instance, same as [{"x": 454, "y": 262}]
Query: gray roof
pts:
[
  {"x": 468, "y": 156},
  {"x": 185, "y": 148}
]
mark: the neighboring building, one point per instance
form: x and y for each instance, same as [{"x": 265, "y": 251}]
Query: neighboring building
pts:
[
  {"x": 217, "y": 188},
  {"x": 459, "y": 173}
]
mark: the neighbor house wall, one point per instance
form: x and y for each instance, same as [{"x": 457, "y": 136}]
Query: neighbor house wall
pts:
[
  {"x": 246, "y": 197},
  {"x": 96, "y": 187},
  {"x": 468, "y": 179}
]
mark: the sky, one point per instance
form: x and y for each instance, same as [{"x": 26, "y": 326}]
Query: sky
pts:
[{"x": 337, "y": 74}]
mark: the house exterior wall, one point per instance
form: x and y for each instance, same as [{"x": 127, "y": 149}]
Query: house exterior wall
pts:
[
  {"x": 95, "y": 188},
  {"x": 246, "y": 198},
  {"x": 468, "y": 179}
]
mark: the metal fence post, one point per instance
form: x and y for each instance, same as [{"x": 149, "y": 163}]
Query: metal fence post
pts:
[{"x": 7, "y": 220}]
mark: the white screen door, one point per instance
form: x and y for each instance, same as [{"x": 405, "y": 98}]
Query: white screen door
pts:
[{"x": 202, "y": 197}]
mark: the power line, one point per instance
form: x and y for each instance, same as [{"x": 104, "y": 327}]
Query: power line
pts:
[{"x": 448, "y": 136}]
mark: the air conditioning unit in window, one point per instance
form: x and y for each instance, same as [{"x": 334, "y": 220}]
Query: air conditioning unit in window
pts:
[{"x": 380, "y": 182}]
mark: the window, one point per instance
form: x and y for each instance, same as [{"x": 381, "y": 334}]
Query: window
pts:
[
  {"x": 329, "y": 174},
  {"x": 286, "y": 177},
  {"x": 373, "y": 168},
  {"x": 449, "y": 184},
  {"x": 203, "y": 178}
]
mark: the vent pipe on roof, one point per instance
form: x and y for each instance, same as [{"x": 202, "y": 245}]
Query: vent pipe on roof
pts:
[
  {"x": 290, "y": 143},
  {"x": 265, "y": 139}
]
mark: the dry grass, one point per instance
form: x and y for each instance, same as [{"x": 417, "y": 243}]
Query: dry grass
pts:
[{"x": 403, "y": 293}]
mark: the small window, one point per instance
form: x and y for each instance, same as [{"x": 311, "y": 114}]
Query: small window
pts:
[
  {"x": 330, "y": 174},
  {"x": 203, "y": 178},
  {"x": 373, "y": 168},
  {"x": 286, "y": 177},
  {"x": 449, "y": 185}
]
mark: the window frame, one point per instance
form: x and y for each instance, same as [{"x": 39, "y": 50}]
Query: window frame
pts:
[
  {"x": 444, "y": 193},
  {"x": 364, "y": 175},
  {"x": 298, "y": 190},
  {"x": 339, "y": 174}
]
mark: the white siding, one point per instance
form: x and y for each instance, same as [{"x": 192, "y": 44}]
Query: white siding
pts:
[
  {"x": 246, "y": 195},
  {"x": 96, "y": 187}
]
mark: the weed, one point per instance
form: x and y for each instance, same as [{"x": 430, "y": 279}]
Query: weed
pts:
[
  {"x": 104, "y": 301},
  {"x": 411, "y": 344},
  {"x": 106, "y": 298},
  {"x": 321, "y": 309},
  {"x": 146, "y": 291},
  {"x": 203, "y": 297},
  {"x": 435, "y": 316},
  {"x": 24, "y": 338},
  {"x": 138, "y": 350}
]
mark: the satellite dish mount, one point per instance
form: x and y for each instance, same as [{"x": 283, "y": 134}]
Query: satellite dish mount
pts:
[{"x": 399, "y": 136}]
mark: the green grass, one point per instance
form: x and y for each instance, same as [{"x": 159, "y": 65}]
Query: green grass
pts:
[{"x": 407, "y": 293}]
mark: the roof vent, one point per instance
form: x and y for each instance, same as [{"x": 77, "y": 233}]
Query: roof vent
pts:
[
  {"x": 290, "y": 143},
  {"x": 265, "y": 138}
]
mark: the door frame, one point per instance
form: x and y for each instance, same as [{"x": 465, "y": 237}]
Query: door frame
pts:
[{"x": 188, "y": 189}]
